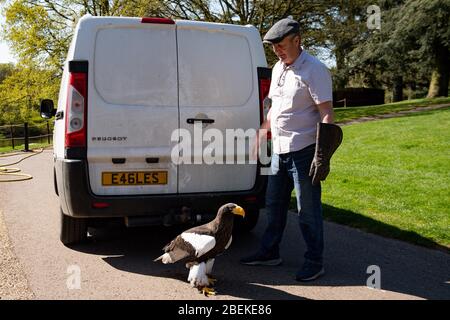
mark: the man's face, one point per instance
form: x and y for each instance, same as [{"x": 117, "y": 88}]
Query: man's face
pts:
[{"x": 287, "y": 49}]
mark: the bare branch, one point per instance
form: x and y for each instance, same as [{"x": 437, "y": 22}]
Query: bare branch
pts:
[{"x": 59, "y": 13}]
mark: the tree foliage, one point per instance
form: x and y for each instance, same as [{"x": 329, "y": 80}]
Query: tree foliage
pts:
[
  {"x": 412, "y": 48},
  {"x": 22, "y": 91}
]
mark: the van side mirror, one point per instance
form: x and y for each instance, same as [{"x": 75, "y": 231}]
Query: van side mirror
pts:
[{"x": 47, "y": 109}]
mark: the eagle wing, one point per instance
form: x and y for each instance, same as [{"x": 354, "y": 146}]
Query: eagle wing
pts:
[
  {"x": 191, "y": 244},
  {"x": 201, "y": 243}
]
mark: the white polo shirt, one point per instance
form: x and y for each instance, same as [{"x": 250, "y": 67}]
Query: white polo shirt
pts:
[{"x": 295, "y": 91}]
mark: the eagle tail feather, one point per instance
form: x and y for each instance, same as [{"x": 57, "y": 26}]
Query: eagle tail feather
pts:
[{"x": 166, "y": 258}]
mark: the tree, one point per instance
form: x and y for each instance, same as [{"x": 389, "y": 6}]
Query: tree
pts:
[
  {"x": 412, "y": 48},
  {"x": 375, "y": 57},
  {"x": 345, "y": 28},
  {"x": 424, "y": 25},
  {"x": 22, "y": 91},
  {"x": 260, "y": 13}
]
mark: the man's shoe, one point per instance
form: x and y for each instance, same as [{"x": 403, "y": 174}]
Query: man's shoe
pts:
[
  {"x": 309, "y": 272},
  {"x": 259, "y": 259}
]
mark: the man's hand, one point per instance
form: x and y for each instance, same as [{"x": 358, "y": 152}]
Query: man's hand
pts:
[
  {"x": 260, "y": 137},
  {"x": 261, "y": 134}
]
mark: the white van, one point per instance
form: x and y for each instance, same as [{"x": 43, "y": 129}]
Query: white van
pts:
[{"x": 127, "y": 85}]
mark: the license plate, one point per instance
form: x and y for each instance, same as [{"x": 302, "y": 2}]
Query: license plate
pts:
[{"x": 134, "y": 178}]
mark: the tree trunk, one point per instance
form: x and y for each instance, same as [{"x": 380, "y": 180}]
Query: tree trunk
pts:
[
  {"x": 440, "y": 76},
  {"x": 341, "y": 79},
  {"x": 412, "y": 90},
  {"x": 398, "y": 89}
]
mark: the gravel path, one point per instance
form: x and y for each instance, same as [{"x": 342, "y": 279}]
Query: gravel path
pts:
[{"x": 13, "y": 283}]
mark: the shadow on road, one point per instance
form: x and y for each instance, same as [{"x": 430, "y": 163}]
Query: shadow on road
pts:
[
  {"x": 404, "y": 268},
  {"x": 133, "y": 250}
]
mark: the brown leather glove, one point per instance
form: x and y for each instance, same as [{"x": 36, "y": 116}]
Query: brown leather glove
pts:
[{"x": 329, "y": 137}]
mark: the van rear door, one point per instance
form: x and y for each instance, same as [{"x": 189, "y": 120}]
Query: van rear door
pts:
[
  {"x": 132, "y": 107},
  {"x": 218, "y": 91}
]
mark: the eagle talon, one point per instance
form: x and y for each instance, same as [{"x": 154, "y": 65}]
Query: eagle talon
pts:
[{"x": 207, "y": 291}]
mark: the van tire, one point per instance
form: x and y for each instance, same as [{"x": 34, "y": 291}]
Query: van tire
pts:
[
  {"x": 242, "y": 225},
  {"x": 73, "y": 230}
]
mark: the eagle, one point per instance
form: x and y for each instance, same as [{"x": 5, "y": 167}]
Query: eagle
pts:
[{"x": 200, "y": 245}]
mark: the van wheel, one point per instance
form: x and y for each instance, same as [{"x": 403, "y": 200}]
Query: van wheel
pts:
[
  {"x": 73, "y": 230},
  {"x": 246, "y": 224}
]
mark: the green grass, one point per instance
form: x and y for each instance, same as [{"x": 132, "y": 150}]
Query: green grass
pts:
[
  {"x": 22, "y": 147},
  {"x": 351, "y": 113},
  {"x": 392, "y": 178}
]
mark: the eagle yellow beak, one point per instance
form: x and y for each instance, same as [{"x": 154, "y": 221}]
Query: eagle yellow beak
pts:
[{"x": 239, "y": 211}]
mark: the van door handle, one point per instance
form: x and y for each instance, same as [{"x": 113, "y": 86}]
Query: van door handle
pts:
[
  {"x": 152, "y": 160},
  {"x": 118, "y": 160},
  {"x": 193, "y": 120}
]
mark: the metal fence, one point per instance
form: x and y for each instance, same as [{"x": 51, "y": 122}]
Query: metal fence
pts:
[{"x": 15, "y": 135}]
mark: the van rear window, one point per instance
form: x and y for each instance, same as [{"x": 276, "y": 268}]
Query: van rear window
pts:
[
  {"x": 215, "y": 68},
  {"x": 136, "y": 66}
]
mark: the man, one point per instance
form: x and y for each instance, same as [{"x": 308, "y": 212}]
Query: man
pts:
[{"x": 301, "y": 95}]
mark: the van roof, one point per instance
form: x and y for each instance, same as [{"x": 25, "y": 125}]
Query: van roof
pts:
[{"x": 88, "y": 19}]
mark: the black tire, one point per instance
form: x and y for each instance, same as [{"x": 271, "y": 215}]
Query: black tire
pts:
[
  {"x": 246, "y": 224},
  {"x": 73, "y": 230}
]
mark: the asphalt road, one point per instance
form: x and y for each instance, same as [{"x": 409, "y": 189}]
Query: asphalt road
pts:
[{"x": 118, "y": 263}]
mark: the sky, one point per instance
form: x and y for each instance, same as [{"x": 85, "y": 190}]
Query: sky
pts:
[{"x": 5, "y": 54}]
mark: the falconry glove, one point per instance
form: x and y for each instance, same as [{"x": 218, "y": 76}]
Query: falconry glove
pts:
[{"x": 329, "y": 137}]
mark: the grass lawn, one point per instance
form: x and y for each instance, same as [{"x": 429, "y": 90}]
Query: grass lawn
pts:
[
  {"x": 350, "y": 113},
  {"x": 22, "y": 147},
  {"x": 392, "y": 177}
]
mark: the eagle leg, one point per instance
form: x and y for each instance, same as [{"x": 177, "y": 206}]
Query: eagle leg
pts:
[{"x": 211, "y": 280}]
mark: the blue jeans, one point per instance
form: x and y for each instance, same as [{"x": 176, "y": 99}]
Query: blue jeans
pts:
[{"x": 289, "y": 171}]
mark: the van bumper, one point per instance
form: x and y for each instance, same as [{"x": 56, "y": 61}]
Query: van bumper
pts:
[{"x": 77, "y": 199}]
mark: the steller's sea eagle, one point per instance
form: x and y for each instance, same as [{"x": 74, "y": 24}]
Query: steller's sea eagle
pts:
[{"x": 199, "y": 246}]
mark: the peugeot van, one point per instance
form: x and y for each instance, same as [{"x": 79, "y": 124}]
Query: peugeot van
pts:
[{"x": 128, "y": 84}]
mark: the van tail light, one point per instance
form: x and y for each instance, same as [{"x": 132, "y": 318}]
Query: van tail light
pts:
[
  {"x": 157, "y": 20},
  {"x": 264, "y": 77},
  {"x": 76, "y": 108},
  {"x": 251, "y": 199},
  {"x": 100, "y": 205}
]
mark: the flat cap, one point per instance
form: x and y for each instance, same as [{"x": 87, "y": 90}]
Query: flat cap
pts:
[{"x": 281, "y": 29}]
